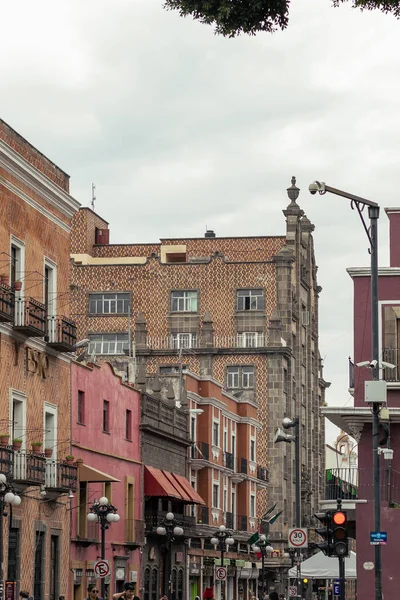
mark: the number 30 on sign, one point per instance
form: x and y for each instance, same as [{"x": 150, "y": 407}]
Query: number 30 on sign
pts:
[{"x": 298, "y": 538}]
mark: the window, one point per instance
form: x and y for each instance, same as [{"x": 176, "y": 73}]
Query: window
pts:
[
  {"x": 193, "y": 429},
  {"x": 225, "y": 440},
  {"x": 50, "y": 287},
  {"x": 184, "y": 301},
  {"x": 215, "y": 433},
  {"x": 171, "y": 369},
  {"x": 250, "y": 339},
  {"x": 107, "y": 304},
  {"x": 128, "y": 425},
  {"x": 215, "y": 495},
  {"x": 81, "y": 407},
  {"x": 240, "y": 377},
  {"x": 18, "y": 416},
  {"x": 250, "y": 300},
  {"x": 252, "y": 505},
  {"x": 107, "y": 491},
  {"x": 252, "y": 450},
  {"x": 225, "y": 505},
  {"x": 17, "y": 251},
  {"x": 108, "y": 343},
  {"x": 106, "y": 416},
  {"x": 50, "y": 427},
  {"x": 183, "y": 340}
]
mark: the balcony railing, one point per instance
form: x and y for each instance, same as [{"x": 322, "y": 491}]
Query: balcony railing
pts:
[
  {"x": 243, "y": 465},
  {"x": 391, "y": 355},
  {"x": 200, "y": 451},
  {"x": 241, "y": 340},
  {"x": 203, "y": 516},
  {"x": 134, "y": 531},
  {"x": 262, "y": 473},
  {"x": 7, "y": 303},
  {"x": 61, "y": 333},
  {"x": 241, "y": 523},
  {"x": 29, "y": 468},
  {"x": 229, "y": 460},
  {"x": 30, "y": 317},
  {"x": 357, "y": 484},
  {"x": 229, "y": 520},
  {"x": 61, "y": 475},
  {"x": 153, "y": 520}
]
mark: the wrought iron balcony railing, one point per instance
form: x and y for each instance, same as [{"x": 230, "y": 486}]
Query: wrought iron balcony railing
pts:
[
  {"x": 391, "y": 355},
  {"x": 61, "y": 333},
  {"x": 61, "y": 476},
  {"x": 7, "y": 304},
  {"x": 357, "y": 484},
  {"x": 241, "y": 523},
  {"x": 30, "y": 317},
  {"x": 29, "y": 468},
  {"x": 262, "y": 473},
  {"x": 229, "y": 460}
]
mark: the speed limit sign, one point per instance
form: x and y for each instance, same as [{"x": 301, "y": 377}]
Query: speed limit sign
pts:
[{"x": 298, "y": 538}]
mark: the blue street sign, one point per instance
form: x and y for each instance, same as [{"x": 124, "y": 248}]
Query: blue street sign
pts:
[
  {"x": 336, "y": 589},
  {"x": 378, "y": 538}
]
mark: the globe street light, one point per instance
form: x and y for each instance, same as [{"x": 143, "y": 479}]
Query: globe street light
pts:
[
  {"x": 262, "y": 548},
  {"x": 7, "y": 496},
  {"x": 222, "y": 538},
  {"x": 170, "y": 529},
  {"x": 104, "y": 513}
]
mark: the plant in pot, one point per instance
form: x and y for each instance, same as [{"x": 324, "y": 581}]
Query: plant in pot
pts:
[
  {"x": 5, "y": 279},
  {"x": 17, "y": 286},
  {"x": 17, "y": 443},
  {"x": 4, "y": 437},
  {"x": 69, "y": 458},
  {"x": 48, "y": 452},
  {"x": 37, "y": 447}
]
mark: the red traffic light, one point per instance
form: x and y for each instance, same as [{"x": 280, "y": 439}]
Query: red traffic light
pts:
[{"x": 339, "y": 518}]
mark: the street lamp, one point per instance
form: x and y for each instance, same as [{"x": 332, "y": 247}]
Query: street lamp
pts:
[
  {"x": 7, "y": 496},
  {"x": 104, "y": 513},
  {"x": 170, "y": 529},
  {"x": 281, "y": 436},
  {"x": 262, "y": 548},
  {"x": 222, "y": 538},
  {"x": 372, "y": 234}
]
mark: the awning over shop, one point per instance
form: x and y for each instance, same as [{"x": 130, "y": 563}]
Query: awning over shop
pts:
[
  {"x": 92, "y": 475},
  {"x": 163, "y": 483}
]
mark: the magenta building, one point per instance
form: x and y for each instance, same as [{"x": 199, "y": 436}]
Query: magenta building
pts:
[
  {"x": 106, "y": 444},
  {"x": 357, "y": 420}
]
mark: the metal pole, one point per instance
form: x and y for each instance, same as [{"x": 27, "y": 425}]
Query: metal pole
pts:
[
  {"x": 262, "y": 573},
  {"x": 373, "y": 212},
  {"x": 222, "y": 564},
  {"x": 103, "y": 552},
  {"x": 298, "y": 505},
  {"x": 342, "y": 578},
  {"x": 1, "y": 548}
]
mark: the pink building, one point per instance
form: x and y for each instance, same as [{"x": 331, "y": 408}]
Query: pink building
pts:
[
  {"x": 357, "y": 420},
  {"x": 106, "y": 443}
]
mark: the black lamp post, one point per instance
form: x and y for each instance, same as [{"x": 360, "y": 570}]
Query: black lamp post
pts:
[
  {"x": 281, "y": 436},
  {"x": 104, "y": 513},
  {"x": 170, "y": 529},
  {"x": 7, "y": 497},
  {"x": 222, "y": 538},
  {"x": 262, "y": 546}
]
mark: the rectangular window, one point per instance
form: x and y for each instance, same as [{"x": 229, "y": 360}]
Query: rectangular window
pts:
[
  {"x": 18, "y": 416},
  {"x": 128, "y": 425},
  {"x": 109, "y": 304},
  {"x": 247, "y": 377},
  {"x": 193, "y": 429},
  {"x": 50, "y": 427},
  {"x": 225, "y": 441},
  {"x": 215, "y": 433},
  {"x": 250, "y": 339},
  {"x": 250, "y": 300},
  {"x": 50, "y": 287},
  {"x": 225, "y": 507},
  {"x": 252, "y": 450},
  {"x": 108, "y": 343},
  {"x": 107, "y": 491},
  {"x": 240, "y": 377},
  {"x": 106, "y": 416},
  {"x": 215, "y": 495},
  {"x": 183, "y": 340},
  {"x": 17, "y": 267},
  {"x": 81, "y": 407},
  {"x": 252, "y": 506},
  {"x": 171, "y": 369},
  {"x": 184, "y": 301}
]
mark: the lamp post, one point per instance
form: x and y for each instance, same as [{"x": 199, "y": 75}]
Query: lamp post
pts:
[
  {"x": 262, "y": 547},
  {"x": 222, "y": 538},
  {"x": 104, "y": 513},
  {"x": 170, "y": 529},
  {"x": 7, "y": 497},
  {"x": 281, "y": 436},
  {"x": 372, "y": 234}
]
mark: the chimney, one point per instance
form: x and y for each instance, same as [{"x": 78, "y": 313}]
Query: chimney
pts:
[
  {"x": 209, "y": 234},
  {"x": 394, "y": 235}
]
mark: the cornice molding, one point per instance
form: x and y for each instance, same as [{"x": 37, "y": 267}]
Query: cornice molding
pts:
[{"x": 366, "y": 271}]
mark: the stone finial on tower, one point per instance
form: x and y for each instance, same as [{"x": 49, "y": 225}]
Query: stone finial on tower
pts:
[
  {"x": 171, "y": 394},
  {"x": 293, "y": 193},
  {"x": 141, "y": 376},
  {"x": 156, "y": 387}
]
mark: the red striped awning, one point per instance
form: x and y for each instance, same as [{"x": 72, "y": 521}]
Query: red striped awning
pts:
[{"x": 165, "y": 484}]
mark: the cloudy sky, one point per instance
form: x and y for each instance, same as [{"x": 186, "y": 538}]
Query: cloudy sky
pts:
[{"x": 204, "y": 131}]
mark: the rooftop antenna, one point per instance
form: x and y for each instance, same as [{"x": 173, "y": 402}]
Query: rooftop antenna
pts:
[{"x": 93, "y": 196}]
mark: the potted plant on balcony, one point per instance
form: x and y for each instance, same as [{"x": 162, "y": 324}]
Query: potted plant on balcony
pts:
[
  {"x": 48, "y": 452},
  {"x": 4, "y": 437},
  {"x": 17, "y": 443},
  {"x": 69, "y": 458},
  {"x": 17, "y": 286},
  {"x": 4, "y": 279},
  {"x": 37, "y": 447}
]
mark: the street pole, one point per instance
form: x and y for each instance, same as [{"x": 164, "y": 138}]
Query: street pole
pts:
[
  {"x": 103, "y": 555},
  {"x": 1, "y": 549},
  {"x": 262, "y": 573},
  {"x": 342, "y": 578},
  {"x": 298, "y": 506},
  {"x": 222, "y": 564}
]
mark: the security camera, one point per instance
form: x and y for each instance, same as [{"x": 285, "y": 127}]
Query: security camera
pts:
[
  {"x": 364, "y": 363},
  {"x": 316, "y": 186},
  {"x": 387, "y": 453},
  {"x": 373, "y": 364},
  {"x": 387, "y": 365}
]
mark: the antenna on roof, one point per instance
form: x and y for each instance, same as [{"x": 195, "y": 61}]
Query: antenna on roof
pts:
[{"x": 93, "y": 196}]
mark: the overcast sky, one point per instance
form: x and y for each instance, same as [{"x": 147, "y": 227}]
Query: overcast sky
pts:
[{"x": 204, "y": 131}]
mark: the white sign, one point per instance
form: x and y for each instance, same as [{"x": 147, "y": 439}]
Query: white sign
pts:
[
  {"x": 292, "y": 591},
  {"x": 220, "y": 573},
  {"x": 368, "y": 566},
  {"x": 101, "y": 568},
  {"x": 298, "y": 538}
]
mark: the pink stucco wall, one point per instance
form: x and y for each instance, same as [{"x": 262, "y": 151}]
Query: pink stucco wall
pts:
[{"x": 109, "y": 452}]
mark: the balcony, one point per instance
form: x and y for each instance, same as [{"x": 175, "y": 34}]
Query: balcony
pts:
[
  {"x": 134, "y": 532},
  {"x": 29, "y": 469},
  {"x": 229, "y": 520},
  {"x": 241, "y": 523},
  {"x": 6, "y": 460},
  {"x": 61, "y": 334},
  {"x": 152, "y": 521},
  {"x": 199, "y": 455},
  {"x": 391, "y": 355},
  {"x": 357, "y": 484},
  {"x": 7, "y": 304},
  {"x": 88, "y": 534},
  {"x": 229, "y": 460},
  {"x": 262, "y": 473},
  {"x": 203, "y": 517},
  {"x": 60, "y": 476},
  {"x": 30, "y": 317}
]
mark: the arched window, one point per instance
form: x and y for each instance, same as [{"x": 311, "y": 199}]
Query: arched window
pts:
[
  {"x": 173, "y": 584},
  {"x": 180, "y": 585},
  {"x": 146, "y": 584},
  {"x": 154, "y": 592}
]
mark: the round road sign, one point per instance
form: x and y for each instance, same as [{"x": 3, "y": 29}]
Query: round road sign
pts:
[
  {"x": 101, "y": 568},
  {"x": 368, "y": 566},
  {"x": 220, "y": 573},
  {"x": 297, "y": 538},
  {"x": 292, "y": 591}
]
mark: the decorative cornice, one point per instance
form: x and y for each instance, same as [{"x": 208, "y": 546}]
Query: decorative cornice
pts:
[
  {"x": 351, "y": 419},
  {"x": 366, "y": 271},
  {"x": 37, "y": 181}
]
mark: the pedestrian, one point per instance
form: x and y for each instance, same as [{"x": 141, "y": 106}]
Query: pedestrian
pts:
[
  {"x": 24, "y": 594},
  {"x": 273, "y": 596},
  {"x": 93, "y": 592},
  {"x": 128, "y": 593}
]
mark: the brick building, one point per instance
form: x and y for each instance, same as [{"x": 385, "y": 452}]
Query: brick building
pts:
[
  {"x": 106, "y": 443},
  {"x": 242, "y": 310},
  {"x": 36, "y": 336}
]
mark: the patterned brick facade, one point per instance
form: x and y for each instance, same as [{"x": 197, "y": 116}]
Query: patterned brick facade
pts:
[{"x": 36, "y": 212}]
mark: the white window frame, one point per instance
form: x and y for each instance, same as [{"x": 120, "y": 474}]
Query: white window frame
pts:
[
  {"x": 247, "y": 377},
  {"x": 250, "y": 339},
  {"x": 183, "y": 340},
  {"x": 253, "y": 506},
  {"x": 184, "y": 301},
  {"x": 20, "y": 430},
  {"x": 216, "y": 487},
  {"x": 52, "y": 305},
  {"x": 50, "y": 409},
  {"x": 255, "y": 296},
  {"x": 253, "y": 441},
  {"x": 242, "y": 375},
  {"x": 20, "y": 271},
  {"x": 232, "y": 377},
  {"x": 98, "y": 346},
  {"x": 106, "y": 304},
  {"x": 216, "y": 422}
]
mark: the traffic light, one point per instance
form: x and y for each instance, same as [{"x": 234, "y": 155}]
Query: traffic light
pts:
[
  {"x": 325, "y": 532},
  {"x": 340, "y": 538},
  {"x": 305, "y": 585}
]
